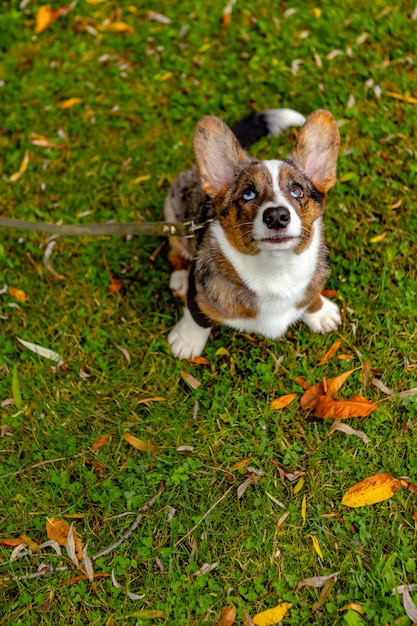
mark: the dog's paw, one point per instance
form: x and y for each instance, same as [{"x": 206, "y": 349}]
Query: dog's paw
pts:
[
  {"x": 187, "y": 339},
  {"x": 324, "y": 320},
  {"x": 179, "y": 283}
]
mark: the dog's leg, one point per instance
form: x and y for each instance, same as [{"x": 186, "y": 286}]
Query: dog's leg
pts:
[
  {"x": 323, "y": 317},
  {"x": 187, "y": 339}
]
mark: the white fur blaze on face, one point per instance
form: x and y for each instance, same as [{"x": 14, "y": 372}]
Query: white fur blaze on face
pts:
[
  {"x": 282, "y": 238},
  {"x": 187, "y": 339},
  {"x": 324, "y": 320}
]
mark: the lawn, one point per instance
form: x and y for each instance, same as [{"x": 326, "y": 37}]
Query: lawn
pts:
[{"x": 97, "y": 118}]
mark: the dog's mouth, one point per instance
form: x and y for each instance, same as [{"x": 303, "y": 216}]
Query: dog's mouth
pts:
[{"x": 276, "y": 240}]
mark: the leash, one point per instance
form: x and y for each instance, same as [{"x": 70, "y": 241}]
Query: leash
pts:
[{"x": 158, "y": 229}]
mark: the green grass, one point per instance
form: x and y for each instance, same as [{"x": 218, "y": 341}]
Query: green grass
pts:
[{"x": 142, "y": 94}]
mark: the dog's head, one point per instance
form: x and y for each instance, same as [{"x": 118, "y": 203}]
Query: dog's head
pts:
[{"x": 268, "y": 205}]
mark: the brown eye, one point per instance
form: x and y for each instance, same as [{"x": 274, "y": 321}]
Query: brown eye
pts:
[{"x": 296, "y": 192}]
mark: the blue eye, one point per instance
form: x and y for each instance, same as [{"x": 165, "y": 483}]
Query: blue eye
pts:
[
  {"x": 248, "y": 195},
  {"x": 296, "y": 192}
]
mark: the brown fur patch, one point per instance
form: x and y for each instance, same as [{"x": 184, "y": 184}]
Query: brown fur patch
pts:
[{"x": 221, "y": 294}]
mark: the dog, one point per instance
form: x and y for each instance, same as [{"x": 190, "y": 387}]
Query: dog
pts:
[{"x": 261, "y": 264}]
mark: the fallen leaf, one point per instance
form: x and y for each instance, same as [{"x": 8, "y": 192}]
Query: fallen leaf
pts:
[
  {"x": 372, "y": 490},
  {"x": 45, "y": 16},
  {"x": 302, "y": 382},
  {"x": 396, "y": 205},
  {"x": 115, "y": 285},
  {"x": 334, "y": 384},
  {"x": 333, "y": 349},
  {"x": 189, "y": 378},
  {"x": 205, "y": 569},
  {"x": 154, "y": 16},
  {"x": 228, "y": 616},
  {"x": 316, "y": 545},
  {"x": 299, "y": 485},
  {"x": 22, "y": 169},
  {"x": 345, "y": 357},
  {"x": 378, "y": 238},
  {"x": 398, "y": 96},
  {"x": 240, "y": 464},
  {"x": 139, "y": 444},
  {"x": 357, "y": 406},
  {"x": 135, "y": 596},
  {"x": 272, "y": 616},
  {"x": 282, "y": 519},
  {"x": 70, "y": 102},
  {"x": 199, "y": 360},
  {"x": 317, "y": 581},
  {"x": 119, "y": 27},
  {"x": 18, "y": 294},
  {"x": 100, "y": 442},
  {"x": 46, "y": 353},
  {"x": 414, "y": 516},
  {"x": 283, "y": 401},
  {"x": 153, "y": 399},
  {"x": 58, "y": 530},
  {"x": 353, "y": 607},
  {"x": 329, "y": 293},
  {"x": 97, "y": 466},
  {"x": 304, "y": 507},
  {"x": 348, "y": 430},
  {"x": 32, "y": 545},
  {"x": 409, "y": 606},
  {"x": 380, "y": 385},
  {"x": 271, "y": 497},
  {"x": 10, "y": 543},
  {"x": 148, "y": 614},
  {"x": 124, "y": 352},
  {"x": 310, "y": 398}
]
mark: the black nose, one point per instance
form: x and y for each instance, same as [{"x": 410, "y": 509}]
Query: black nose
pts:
[{"x": 276, "y": 217}]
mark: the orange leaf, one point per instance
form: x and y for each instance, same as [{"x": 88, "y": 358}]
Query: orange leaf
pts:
[
  {"x": 302, "y": 382},
  {"x": 45, "y": 16},
  {"x": 372, "y": 490},
  {"x": 240, "y": 464},
  {"x": 310, "y": 398},
  {"x": 11, "y": 543},
  {"x": 18, "y": 294},
  {"x": 98, "y": 466},
  {"x": 58, "y": 529},
  {"x": 189, "y": 378},
  {"x": 199, "y": 360},
  {"x": 329, "y": 408},
  {"x": 139, "y": 444},
  {"x": 70, "y": 102},
  {"x": 334, "y": 348},
  {"x": 114, "y": 286},
  {"x": 100, "y": 442},
  {"x": 120, "y": 27},
  {"x": 228, "y": 616},
  {"x": 283, "y": 401},
  {"x": 329, "y": 293},
  {"x": 334, "y": 384}
]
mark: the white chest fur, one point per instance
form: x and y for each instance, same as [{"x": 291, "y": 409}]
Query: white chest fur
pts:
[{"x": 279, "y": 278}]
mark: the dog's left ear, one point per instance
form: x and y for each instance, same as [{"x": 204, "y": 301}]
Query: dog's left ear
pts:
[
  {"x": 218, "y": 155},
  {"x": 317, "y": 149}
]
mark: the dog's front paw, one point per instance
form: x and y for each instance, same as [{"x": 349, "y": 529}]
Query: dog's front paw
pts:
[
  {"x": 324, "y": 320},
  {"x": 179, "y": 283},
  {"x": 187, "y": 339}
]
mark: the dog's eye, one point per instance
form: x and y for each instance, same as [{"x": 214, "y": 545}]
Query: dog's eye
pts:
[
  {"x": 249, "y": 194},
  {"x": 296, "y": 192}
]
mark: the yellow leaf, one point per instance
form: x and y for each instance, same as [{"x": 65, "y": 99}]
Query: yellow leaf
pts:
[
  {"x": 398, "y": 96},
  {"x": 166, "y": 76},
  {"x": 283, "y": 401},
  {"x": 378, "y": 238},
  {"x": 139, "y": 444},
  {"x": 372, "y": 490},
  {"x": 316, "y": 545},
  {"x": 119, "y": 27},
  {"x": 353, "y": 606},
  {"x": 317, "y": 12},
  {"x": 299, "y": 485},
  {"x": 141, "y": 179},
  {"x": 18, "y": 294},
  {"x": 70, "y": 102},
  {"x": 272, "y": 616},
  {"x": 45, "y": 16},
  {"x": 32, "y": 545},
  {"x": 23, "y": 167},
  {"x": 304, "y": 507}
]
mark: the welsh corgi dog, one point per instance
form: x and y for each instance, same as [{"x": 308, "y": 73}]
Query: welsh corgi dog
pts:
[{"x": 261, "y": 264}]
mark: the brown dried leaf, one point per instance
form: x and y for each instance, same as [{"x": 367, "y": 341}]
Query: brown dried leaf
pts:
[
  {"x": 228, "y": 616},
  {"x": 139, "y": 444},
  {"x": 11, "y": 543},
  {"x": 333, "y": 349},
  {"x": 357, "y": 406},
  {"x": 58, "y": 529},
  {"x": 348, "y": 430},
  {"x": 372, "y": 490},
  {"x": 317, "y": 581},
  {"x": 310, "y": 398},
  {"x": 283, "y": 401},
  {"x": 240, "y": 464},
  {"x": 302, "y": 382}
]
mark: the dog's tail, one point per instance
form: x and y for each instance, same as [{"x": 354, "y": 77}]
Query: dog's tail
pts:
[{"x": 267, "y": 123}]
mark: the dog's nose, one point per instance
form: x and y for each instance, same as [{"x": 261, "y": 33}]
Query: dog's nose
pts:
[{"x": 276, "y": 217}]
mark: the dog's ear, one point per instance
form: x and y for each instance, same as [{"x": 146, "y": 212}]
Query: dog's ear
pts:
[
  {"x": 317, "y": 149},
  {"x": 218, "y": 155}
]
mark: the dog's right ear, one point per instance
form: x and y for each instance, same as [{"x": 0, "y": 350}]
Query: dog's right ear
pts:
[{"x": 218, "y": 155}]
